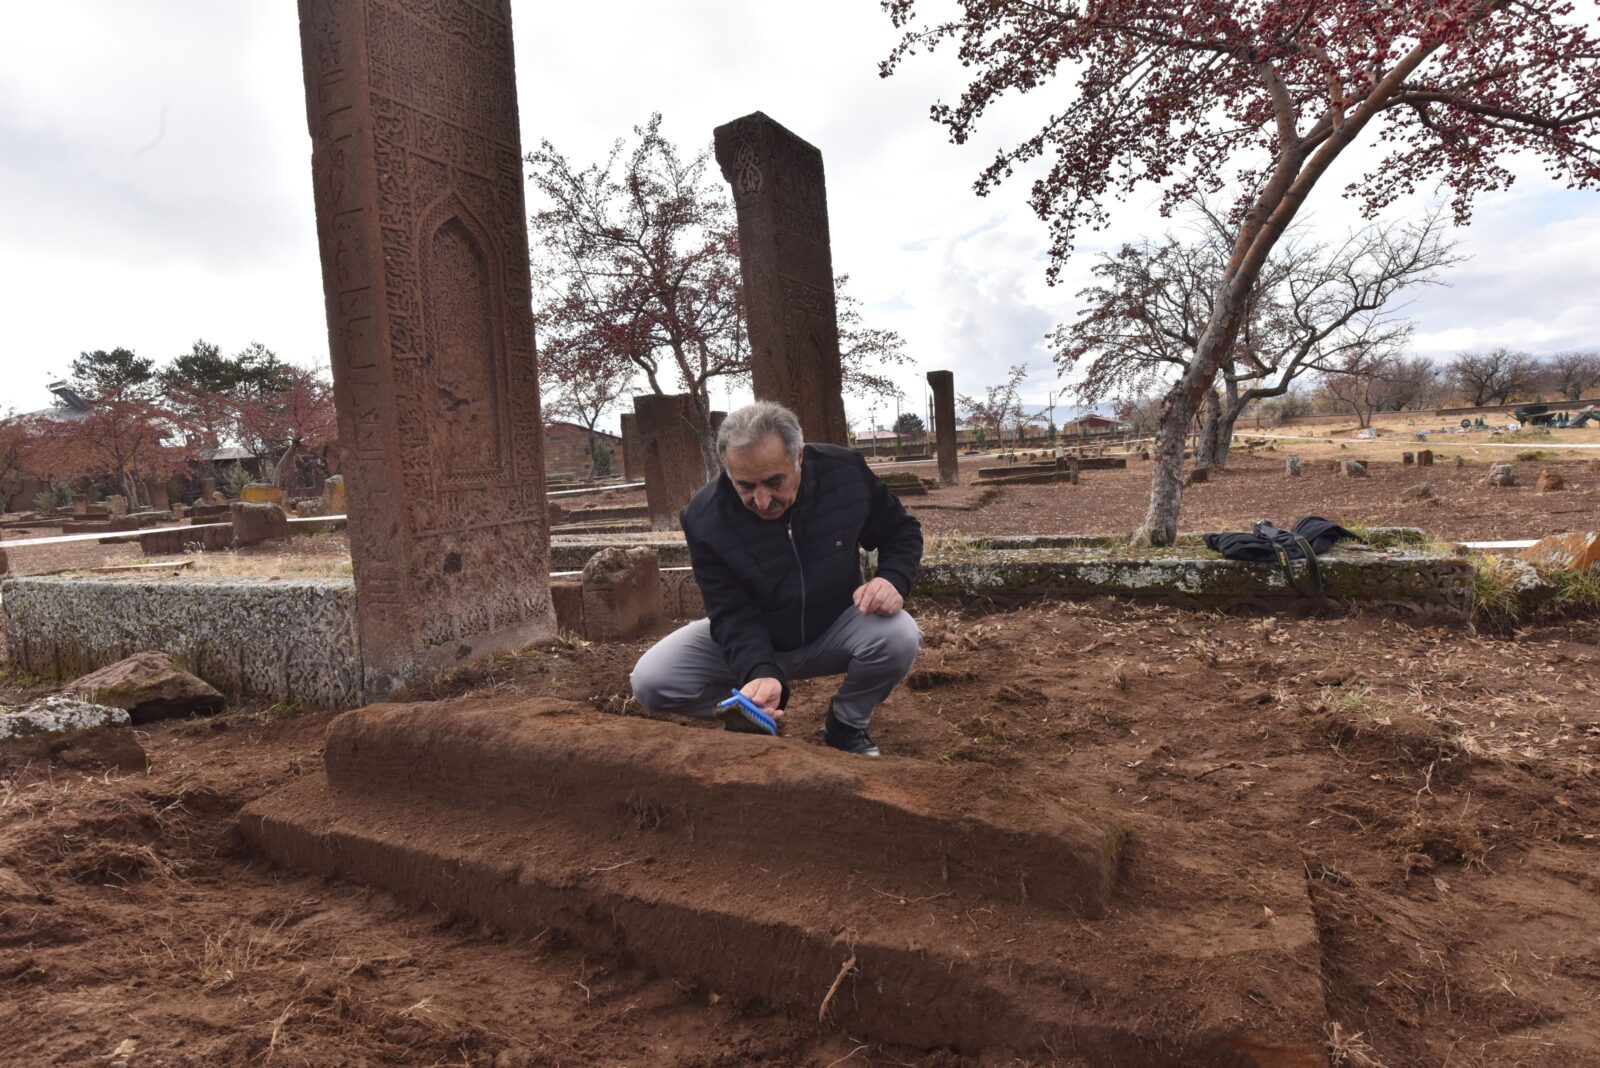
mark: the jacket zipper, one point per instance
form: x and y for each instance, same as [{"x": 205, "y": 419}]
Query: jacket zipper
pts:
[{"x": 802, "y": 567}]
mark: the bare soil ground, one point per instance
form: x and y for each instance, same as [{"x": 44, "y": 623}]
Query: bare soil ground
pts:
[{"x": 1439, "y": 787}]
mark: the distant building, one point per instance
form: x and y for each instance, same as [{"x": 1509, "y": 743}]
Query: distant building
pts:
[
  {"x": 68, "y": 405},
  {"x": 1092, "y": 425},
  {"x": 566, "y": 450}
]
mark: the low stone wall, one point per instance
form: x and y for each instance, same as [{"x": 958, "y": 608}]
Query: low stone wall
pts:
[
  {"x": 283, "y": 640},
  {"x": 1393, "y": 577}
]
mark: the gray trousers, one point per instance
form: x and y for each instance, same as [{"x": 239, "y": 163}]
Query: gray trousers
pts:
[{"x": 686, "y": 672}]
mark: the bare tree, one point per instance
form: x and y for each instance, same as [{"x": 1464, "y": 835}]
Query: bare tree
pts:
[
  {"x": 1493, "y": 377},
  {"x": 1000, "y": 408},
  {"x": 865, "y": 352},
  {"x": 1413, "y": 383},
  {"x": 1361, "y": 383},
  {"x": 1574, "y": 372},
  {"x": 1313, "y": 306}
]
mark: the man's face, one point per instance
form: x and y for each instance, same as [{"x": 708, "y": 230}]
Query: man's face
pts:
[{"x": 767, "y": 481}]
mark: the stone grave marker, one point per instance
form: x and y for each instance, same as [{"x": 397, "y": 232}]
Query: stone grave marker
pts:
[
  {"x": 943, "y": 384},
  {"x": 674, "y": 467},
  {"x": 418, "y": 184},
  {"x": 787, "y": 264}
]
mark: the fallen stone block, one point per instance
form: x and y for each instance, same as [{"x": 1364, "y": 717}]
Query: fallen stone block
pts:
[
  {"x": 66, "y": 730},
  {"x": 1579, "y": 551},
  {"x": 1196, "y": 475},
  {"x": 263, "y": 493},
  {"x": 149, "y": 686},
  {"x": 1418, "y": 493},
  {"x": 254, "y": 523}
]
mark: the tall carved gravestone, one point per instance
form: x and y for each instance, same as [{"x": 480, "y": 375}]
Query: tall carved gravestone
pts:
[
  {"x": 787, "y": 263},
  {"x": 674, "y": 467},
  {"x": 943, "y": 384},
  {"x": 418, "y": 184},
  {"x": 632, "y": 456}
]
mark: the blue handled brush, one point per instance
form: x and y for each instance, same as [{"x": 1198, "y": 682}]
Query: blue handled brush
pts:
[{"x": 750, "y": 711}]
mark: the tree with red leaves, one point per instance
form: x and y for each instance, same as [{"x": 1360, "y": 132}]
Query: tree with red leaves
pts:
[
  {"x": 1268, "y": 94},
  {"x": 124, "y": 433},
  {"x": 286, "y": 420}
]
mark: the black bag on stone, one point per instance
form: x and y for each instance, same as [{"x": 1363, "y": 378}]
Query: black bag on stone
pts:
[{"x": 1264, "y": 543}]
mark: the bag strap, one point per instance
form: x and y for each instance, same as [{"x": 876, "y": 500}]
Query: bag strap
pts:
[{"x": 1311, "y": 586}]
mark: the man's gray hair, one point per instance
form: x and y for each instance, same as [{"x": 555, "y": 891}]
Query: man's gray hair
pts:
[{"x": 752, "y": 424}]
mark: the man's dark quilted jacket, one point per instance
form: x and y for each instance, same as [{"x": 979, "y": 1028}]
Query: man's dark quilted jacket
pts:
[{"x": 750, "y": 569}]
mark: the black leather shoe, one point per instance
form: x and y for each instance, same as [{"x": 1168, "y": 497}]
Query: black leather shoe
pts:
[{"x": 848, "y": 739}]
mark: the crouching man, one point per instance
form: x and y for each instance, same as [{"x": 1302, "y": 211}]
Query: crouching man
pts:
[{"x": 774, "y": 543}]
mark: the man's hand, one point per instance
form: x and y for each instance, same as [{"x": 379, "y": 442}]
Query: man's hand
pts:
[
  {"x": 766, "y": 693},
  {"x": 878, "y": 598}
]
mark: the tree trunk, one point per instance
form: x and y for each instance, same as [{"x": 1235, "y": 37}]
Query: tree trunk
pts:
[
  {"x": 700, "y": 402},
  {"x": 1205, "y": 451},
  {"x": 1178, "y": 408}
]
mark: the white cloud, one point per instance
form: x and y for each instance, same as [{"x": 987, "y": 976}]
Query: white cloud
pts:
[{"x": 155, "y": 166}]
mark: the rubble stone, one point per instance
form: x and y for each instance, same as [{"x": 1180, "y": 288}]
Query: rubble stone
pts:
[{"x": 149, "y": 686}]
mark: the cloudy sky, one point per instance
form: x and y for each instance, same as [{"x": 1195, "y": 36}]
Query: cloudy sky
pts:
[{"x": 155, "y": 182}]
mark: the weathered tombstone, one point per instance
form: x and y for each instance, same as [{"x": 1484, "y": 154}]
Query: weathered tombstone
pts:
[
  {"x": 157, "y": 489},
  {"x": 674, "y": 467},
  {"x": 943, "y": 384},
  {"x": 417, "y": 176},
  {"x": 80, "y": 503},
  {"x": 1408, "y": 458},
  {"x": 333, "y": 498},
  {"x": 787, "y": 264},
  {"x": 118, "y": 504},
  {"x": 208, "y": 487},
  {"x": 1352, "y": 469},
  {"x": 632, "y": 454},
  {"x": 1549, "y": 482},
  {"x": 1424, "y": 457},
  {"x": 1501, "y": 475},
  {"x": 1291, "y": 466}
]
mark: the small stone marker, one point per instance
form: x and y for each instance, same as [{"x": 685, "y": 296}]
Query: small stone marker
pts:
[
  {"x": 1549, "y": 482},
  {"x": 80, "y": 503},
  {"x": 1423, "y": 492},
  {"x": 786, "y": 261},
  {"x": 156, "y": 488},
  {"x": 1352, "y": 469},
  {"x": 118, "y": 504},
  {"x": 1197, "y": 474},
  {"x": 1292, "y": 467},
  {"x": 1424, "y": 457},
  {"x": 943, "y": 384},
  {"x": 258, "y": 521},
  {"x": 621, "y": 593},
  {"x": 333, "y": 498},
  {"x": 1566, "y": 552},
  {"x": 1501, "y": 475},
  {"x": 632, "y": 453},
  {"x": 1408, "y": 458},
  {"x": 1461, "y": 461}
]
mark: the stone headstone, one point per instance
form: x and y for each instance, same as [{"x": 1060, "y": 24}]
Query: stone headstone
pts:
[
  {"x": 674, "y": 467},
  {"x": 257, "y": 521},
  {"x": 1408, "y": 458},
  {"x": 1461, "y": 461},
  {"x": 118, "y": 504},
  {"x": 787, "y": 264},
  {"x": 418, "y": 183},
  {"x": 1292, "y": 467},
  {"x": 333, "y": 496},
  {"x": 1501, "y": 475},
  {"x": 208, "y": 486},
  {"x": 943, "y": 384},
  {"x": 621, "y": 593},
  {"x": 1549, "y": 482},
  {"x": 1352, "y": 469},
  {"x": 157, "y": 490},
  {"x": 80, "y": 503},
  {"x": 1424, "y": 457},
  {"x": 632, "y": 454}
]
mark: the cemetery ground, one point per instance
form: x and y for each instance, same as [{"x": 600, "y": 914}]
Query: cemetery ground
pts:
[
  {"x": 1431, "y": 784},
  {"x": 1434, "y": 786}
]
